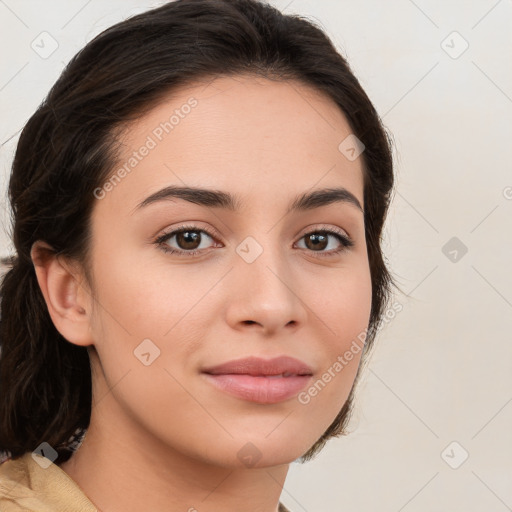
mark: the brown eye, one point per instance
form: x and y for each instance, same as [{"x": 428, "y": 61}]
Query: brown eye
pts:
[
  {"x": 316, "y": 241},
  {"x": 186, "y": 241},
  {"x": 319, "y": 241}
]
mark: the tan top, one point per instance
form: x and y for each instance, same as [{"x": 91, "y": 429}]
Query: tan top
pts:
[
  {"x": 26, "y": 486},
  {"x": 32, "y": 483}
]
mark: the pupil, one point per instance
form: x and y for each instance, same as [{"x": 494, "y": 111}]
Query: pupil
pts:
[
  {"x": 188, "y": 239},
  {"x": 316, "y": 241}
]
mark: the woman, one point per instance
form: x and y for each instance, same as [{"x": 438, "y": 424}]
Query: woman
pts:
[{"x": 198, "y": 205}]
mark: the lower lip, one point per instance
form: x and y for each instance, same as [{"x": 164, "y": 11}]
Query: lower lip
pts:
[{"x": 260, "y": 389}]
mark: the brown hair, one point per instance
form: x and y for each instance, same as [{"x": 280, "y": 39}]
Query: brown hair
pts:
[{"x": 66, "y": 150}]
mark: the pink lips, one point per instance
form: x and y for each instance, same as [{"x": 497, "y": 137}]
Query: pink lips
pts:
[{"x": 265, "y": 381}]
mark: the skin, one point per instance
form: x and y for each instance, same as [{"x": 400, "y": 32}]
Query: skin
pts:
[{"x": 161, "y": 437}]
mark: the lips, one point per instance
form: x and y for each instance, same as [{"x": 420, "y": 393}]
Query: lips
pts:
[
  {"x": 255, "y": 366},
  {"x": 265, "y": 381}
]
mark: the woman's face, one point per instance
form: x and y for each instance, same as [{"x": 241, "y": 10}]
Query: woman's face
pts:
[{"x": 254, "y": 274}]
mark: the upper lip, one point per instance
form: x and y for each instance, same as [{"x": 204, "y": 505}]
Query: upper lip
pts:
[{"x": 256, "y": 366}]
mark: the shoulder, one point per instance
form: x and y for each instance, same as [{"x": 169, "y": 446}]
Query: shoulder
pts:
[
  {"x": 16, "y": 488},
  {"x": 33, "y": 483}
]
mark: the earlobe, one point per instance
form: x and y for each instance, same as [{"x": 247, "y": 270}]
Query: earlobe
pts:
[{"x": 60, "y": 284}]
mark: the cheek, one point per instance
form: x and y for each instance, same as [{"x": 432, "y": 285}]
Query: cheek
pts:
[
  {"x": 129, "y": 308},
  {"x": 149, "y": 301},
  {"x": 345, "y": 304},
  {"x": 135, "y": 297},
  {"x": 345, "y": 310}
]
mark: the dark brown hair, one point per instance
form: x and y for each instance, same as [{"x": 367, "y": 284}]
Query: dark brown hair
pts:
[{"x": 66, "y": 150}]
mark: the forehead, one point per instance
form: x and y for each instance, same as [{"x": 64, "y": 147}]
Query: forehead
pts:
[{"x": 253, "y": 136}]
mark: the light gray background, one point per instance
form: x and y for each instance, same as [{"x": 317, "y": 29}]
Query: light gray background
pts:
[{"x": 442, "y": 372}]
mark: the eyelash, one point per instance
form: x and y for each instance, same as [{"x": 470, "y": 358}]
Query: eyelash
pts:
[{"x": 345, "y": 241}]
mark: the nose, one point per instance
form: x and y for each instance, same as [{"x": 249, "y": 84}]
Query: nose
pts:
[{"x": 265, "y": 294}]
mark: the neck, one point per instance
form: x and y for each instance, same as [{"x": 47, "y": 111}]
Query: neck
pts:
[{"x": 120, "y": 468}]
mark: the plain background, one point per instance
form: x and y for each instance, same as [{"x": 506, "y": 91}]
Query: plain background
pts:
[{"x": 431, "y": 429}]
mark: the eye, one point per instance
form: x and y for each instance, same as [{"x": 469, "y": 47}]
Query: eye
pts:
[
  {"x": 318, "y": 241},
  {"x": 189, "y": 240}
]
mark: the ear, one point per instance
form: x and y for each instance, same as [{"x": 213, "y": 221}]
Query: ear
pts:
[{"x": 67, "y": 298}]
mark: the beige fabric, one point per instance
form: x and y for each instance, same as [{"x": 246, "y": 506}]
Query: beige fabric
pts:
[{"x": 25, "y": 486}]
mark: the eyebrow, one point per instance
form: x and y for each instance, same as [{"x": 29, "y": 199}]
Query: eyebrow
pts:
[{"x": 219, "y": 199}]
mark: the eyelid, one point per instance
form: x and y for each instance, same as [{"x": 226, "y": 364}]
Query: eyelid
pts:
[
  {"x": 325, "y": 227},
  {"x": 192, "y": 226}
]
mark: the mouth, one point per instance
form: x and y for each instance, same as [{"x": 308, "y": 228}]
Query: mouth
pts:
[{"x": 260, "y": 380}]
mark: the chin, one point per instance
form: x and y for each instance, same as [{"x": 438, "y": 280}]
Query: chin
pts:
[{"x": 257, "y": 451}]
